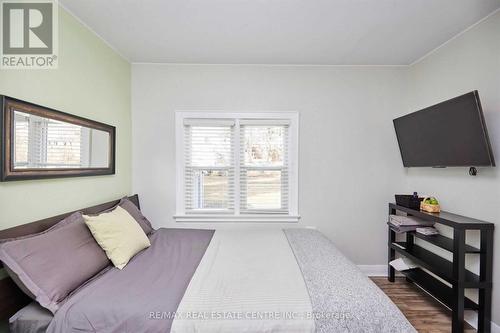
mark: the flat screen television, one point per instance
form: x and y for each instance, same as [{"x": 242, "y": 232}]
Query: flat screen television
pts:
[{"x": 449, "y": 134}]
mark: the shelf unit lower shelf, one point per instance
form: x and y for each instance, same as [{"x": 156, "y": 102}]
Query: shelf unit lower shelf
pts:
[
  {"x": 436, "y": 288},
  {"x": 437, "y": 265},
  {"x": 443, "y": 242}
]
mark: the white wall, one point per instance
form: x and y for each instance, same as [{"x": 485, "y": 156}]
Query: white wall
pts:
[
  {"x": 349, "y": 165},
  {"x": 469, "y": 62},
  {"x": 349, "y": 160}
]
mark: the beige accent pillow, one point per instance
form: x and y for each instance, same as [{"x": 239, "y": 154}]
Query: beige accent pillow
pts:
[{"x": 118, "y": 234}]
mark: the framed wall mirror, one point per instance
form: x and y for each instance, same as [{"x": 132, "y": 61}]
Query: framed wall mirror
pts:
[{"x": 39, "y": 142}]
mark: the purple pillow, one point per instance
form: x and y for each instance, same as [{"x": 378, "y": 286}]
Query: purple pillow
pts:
[
  {"x": 55, "y": 262},
  {"x": 70, "y": 219},
  {"x": 132, "y": 209}
]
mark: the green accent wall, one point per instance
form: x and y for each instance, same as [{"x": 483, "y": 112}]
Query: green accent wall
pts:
[{"x": 92, "y": 81}]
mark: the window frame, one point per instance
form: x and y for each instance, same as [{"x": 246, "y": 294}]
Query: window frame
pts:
[{"x": 292, "y": 156}]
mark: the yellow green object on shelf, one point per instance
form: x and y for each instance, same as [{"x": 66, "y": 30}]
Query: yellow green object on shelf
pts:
[
  {"x": 431, "y": 201},
  {"x": 430, "y": 205}
]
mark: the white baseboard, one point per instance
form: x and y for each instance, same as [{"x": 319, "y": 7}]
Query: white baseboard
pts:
[
  {"x": 381, "y": 270},
  {"x": 495, "y": 328},
  {"x": 470, "y": 317}
]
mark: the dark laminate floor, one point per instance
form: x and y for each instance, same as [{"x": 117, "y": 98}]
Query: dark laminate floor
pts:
[{"x": 425, "y": 313}]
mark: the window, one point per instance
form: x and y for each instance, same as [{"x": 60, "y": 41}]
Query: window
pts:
[
  {"x": 209, "y": 167},
  {"x": 264, "y": 167},
  {"x": 237, "y": 166}
]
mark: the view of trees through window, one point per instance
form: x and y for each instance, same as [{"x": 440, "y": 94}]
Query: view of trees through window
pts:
[
  {"x": 212, "y": 189},
  {"x": 262, "y": 163}
]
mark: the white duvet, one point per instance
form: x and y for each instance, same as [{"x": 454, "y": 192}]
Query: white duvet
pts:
[{"x": 247, "y": 281}]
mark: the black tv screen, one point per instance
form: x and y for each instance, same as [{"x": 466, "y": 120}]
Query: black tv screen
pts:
[{"x": 451, "y": 133}]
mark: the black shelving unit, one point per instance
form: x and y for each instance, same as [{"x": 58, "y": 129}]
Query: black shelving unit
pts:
[{"x": 453, "y": 272}]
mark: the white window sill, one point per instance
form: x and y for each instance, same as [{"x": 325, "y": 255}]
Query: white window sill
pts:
[{"x": 255, "y": 218}]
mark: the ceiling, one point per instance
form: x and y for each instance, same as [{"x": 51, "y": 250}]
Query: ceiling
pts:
[{"x": 333, "y": 32}]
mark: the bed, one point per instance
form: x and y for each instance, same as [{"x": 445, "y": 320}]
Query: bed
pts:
[{"x": 242, "y": 280}]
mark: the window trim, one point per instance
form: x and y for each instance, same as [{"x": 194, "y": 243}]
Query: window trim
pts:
[{"x": 293, "y": 155}]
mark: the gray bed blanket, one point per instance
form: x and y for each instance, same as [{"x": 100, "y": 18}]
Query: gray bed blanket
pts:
[
  {"x": 342, "y": 298},
  {"x": 141, "y": 297},
  {"x": 145, "y": 295}
]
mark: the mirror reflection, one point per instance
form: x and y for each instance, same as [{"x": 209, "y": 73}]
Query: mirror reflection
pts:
[{"x": 44, "y": 143}]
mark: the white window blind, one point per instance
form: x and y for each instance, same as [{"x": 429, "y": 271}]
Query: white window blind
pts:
[
  {"x": 237, "y": 167},
  {"x": 264, "y": 167},
  {"x": 209, "y": 166}
]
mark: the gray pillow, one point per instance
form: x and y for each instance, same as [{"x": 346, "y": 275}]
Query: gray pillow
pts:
[
  {"x": 132, "y": 209},
  {"x": 32, "y": 318},
  {"x": 55, "y": 262}
]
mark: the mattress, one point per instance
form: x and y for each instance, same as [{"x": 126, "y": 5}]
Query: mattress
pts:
[
  {"x": 33, "y": 318},
  {"x": 243, "y": 280}
]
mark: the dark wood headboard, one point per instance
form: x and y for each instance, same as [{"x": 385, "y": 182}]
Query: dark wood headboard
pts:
[{"x": 11, "y": 297}]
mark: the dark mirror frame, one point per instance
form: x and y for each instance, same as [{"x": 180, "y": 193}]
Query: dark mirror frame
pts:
[{"x": 7, "y": 171}]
